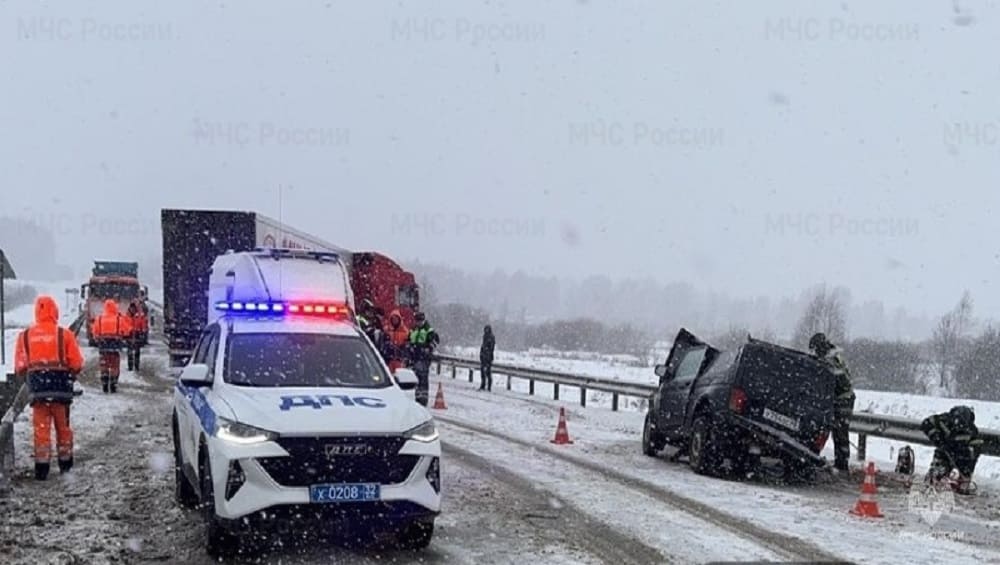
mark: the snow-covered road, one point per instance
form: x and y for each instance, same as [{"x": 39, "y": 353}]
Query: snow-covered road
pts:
[{"x": 801, "y": 519}]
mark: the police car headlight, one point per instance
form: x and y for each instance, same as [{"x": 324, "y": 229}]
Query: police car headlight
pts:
[
  {"x": 426, "y": 432},
  {"x": 244, "y": 434}
]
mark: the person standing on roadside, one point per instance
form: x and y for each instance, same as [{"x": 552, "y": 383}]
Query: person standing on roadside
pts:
[
  {"x": 486, "y": 359},
  {"x": 423, "y": 341}
]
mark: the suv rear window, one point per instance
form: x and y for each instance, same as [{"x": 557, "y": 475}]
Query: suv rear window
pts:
[{"x": 302, "y": 360}]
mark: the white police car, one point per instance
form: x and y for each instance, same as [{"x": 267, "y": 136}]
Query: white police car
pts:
[{"x": 286, "y": 420}]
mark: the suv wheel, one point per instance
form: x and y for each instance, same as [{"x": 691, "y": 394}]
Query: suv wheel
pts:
[
  {"x": 703, "y": 449},
  {"x": 184, "y": 493},
  {"x": 416, "y": 535},
  {"x": 219, "y": 542},
  {"x": 652, "y": 443}
]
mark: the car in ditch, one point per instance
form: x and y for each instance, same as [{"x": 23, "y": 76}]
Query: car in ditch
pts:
[{"x": 727, "y": 409}]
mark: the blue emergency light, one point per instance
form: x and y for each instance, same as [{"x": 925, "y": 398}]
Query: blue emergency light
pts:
[{"x": 280, "y": 308}]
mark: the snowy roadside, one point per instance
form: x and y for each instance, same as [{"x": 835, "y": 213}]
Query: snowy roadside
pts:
[{"x": 817, "y": 513}]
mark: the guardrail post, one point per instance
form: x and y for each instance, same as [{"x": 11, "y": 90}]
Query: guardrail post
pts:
[
  {"x": 454, "y": 370},
  {"x": 614, "y": 401},
  {"x": 508, "y": 381},
  {"x": 583, "y": 397},
  {"x": 470, "y": 374},
  {"x": 531, "y": 387},
  {"x": 439, "y": 367},
  {"x": 862, "y": 446},
  {"x": 555, "y": 391}
]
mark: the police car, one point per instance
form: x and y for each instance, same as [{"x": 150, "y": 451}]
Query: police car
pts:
[{"x": 286, "y": 417}]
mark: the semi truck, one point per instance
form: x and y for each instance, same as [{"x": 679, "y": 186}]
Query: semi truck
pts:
[
  {"x": 192, "y": 239},
  {"x": 117, "y": 280}
]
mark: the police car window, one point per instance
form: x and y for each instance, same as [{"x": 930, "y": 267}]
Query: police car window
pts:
[
  {"x": 201, "y": 350},
  {"x": 302, "y": 360},
  {"x": 212, "y": 349}
]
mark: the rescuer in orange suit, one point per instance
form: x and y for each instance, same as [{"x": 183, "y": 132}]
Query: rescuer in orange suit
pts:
[
  {"x": 48, "y": 356},
  {"x": 111, "y": 332},
  {"x": 397, "y": 335}
]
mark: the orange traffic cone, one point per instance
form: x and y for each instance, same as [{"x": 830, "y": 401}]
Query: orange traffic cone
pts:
[
  {"x": 562, "y": 433},
  {"x": 867, "y": 507},
  {"x": 439, "y": 399}
]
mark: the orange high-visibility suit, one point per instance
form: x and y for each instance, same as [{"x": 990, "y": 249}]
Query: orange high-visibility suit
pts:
[
  {"x": 111, "y": 331},
  {"x": 397, "y": 336},
  {"x": 48, "y": 356}
]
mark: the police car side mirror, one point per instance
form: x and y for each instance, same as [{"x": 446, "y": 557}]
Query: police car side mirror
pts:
[
  {"x": 661, "y": 371},
  {"x": 196, "y": 375},
  {"x": 406, "y": 379}
]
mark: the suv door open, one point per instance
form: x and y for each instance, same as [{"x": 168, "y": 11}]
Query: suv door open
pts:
[{"x": 677, "y": 375}]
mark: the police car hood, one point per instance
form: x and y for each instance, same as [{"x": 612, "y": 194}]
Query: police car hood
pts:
[{"x": 326, "y": 411}]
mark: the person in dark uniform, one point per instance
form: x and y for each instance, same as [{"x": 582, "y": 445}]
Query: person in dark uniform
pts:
[
  {"x": 423, "y": 341},
  {"x": 958, "y": 445},
  {"x": 486, "y": 359},
  {"x": 843, "y": 404}
]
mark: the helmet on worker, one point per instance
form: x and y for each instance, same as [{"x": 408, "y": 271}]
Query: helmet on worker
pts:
[{"x": 820, "y": 344}]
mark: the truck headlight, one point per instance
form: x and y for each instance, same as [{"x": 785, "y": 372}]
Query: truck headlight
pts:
[
  {"x": 426, "y": 432},
  {"x": 243, "y": 434}
]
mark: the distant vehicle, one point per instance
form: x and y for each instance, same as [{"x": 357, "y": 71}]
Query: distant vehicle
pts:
[
  {"x": 287, "y": 418},
  {"x": 192, "y": 239},
  {"x": 117, "y": 280},
  {"x": 758, "y": 400}
]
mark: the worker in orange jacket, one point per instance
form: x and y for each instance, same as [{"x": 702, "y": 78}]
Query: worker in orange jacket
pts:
[
  {"x": 397, "y": 336},
  {"x": 111, "y": 332},
  {"x": 48, "y": 357}
]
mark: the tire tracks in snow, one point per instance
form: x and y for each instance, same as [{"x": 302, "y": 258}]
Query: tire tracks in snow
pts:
[
  {"x": 782, "y": 544},
  {"x": 571, "y": 525}
]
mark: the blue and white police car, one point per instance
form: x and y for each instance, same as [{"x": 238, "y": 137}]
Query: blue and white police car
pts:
[{"x": 286, "y": 419}]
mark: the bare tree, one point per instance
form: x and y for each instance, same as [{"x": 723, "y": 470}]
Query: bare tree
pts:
[
  {"x": 824, "y": 313},
  {"x": 948, "y": 339}
]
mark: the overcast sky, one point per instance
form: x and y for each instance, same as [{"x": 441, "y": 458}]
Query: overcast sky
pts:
[{"x": 752, "y": 147}]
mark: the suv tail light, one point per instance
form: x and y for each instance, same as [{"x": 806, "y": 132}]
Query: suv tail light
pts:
[
  {"x": 821, "y": 441},
  {"x": 737, "y": 400}
]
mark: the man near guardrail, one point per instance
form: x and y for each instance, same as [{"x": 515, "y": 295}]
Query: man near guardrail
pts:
[
  {"x": 48, "y": 356},
  {"x": 843, "y": 404},
  {"x": 956, "y": 437},
  {"x": 423, "y": 341},
  {"x": 486, "y": 359}
]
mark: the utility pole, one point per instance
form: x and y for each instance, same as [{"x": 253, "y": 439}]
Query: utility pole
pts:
[{"x": 3, "y": 306}]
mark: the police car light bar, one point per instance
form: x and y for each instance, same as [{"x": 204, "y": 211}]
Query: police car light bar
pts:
[{"x": 258, "y": 307}]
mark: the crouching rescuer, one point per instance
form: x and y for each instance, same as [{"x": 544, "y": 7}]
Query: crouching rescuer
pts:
[
  {"x": 111, "y": 332},
  {"x": 956, "y": 437},
  {"x": 48, "y": 356}
]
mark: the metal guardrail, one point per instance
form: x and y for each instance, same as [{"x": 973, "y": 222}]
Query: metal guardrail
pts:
[
  {"x": 20, "y": 401},
  {"x": 862, "y": 423}
]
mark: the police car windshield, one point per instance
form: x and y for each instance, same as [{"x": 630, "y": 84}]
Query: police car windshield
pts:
[{"x": 302, "y": 360}]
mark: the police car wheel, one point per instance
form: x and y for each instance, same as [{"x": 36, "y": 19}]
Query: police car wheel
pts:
[
  {"x": 218, "y": 541},
  {"x": 416, "y": 535},
  {"x": 184, "y": 492}
]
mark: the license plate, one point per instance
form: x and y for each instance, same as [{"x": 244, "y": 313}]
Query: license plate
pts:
[
  {"x": 790, "y": 423},
  {"x": 360, "y": 492}
]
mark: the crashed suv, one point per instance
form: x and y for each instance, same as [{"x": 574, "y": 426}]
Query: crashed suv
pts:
[{"x": 728, "y": 409}]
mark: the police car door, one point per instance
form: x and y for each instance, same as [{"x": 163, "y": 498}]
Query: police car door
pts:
[{"x": 204, "y": 354}]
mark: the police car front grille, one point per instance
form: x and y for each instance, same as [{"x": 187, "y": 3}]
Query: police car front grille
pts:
[{"x": 314, "y": 461}]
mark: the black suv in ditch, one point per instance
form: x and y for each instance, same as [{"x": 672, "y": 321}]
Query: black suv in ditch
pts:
[{"x": 757, "y": 400}]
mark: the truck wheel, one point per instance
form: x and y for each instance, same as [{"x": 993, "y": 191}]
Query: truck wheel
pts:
[
  {"x": 652, "y": 442},
  {"x": 184, "y": 493},
  {"x": 219, "y": 543},
  {"x": 703, "y": 449},
  {"x": 416, "y": 535}
]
